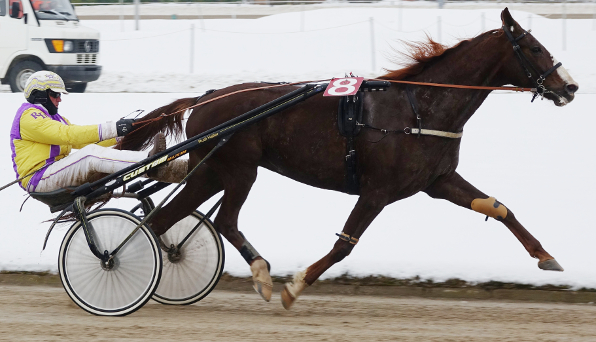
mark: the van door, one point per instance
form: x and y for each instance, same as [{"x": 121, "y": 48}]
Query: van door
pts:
[{"x": 13, "y": 31}]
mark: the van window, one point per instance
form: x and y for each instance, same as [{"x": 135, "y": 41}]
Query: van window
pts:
[
  {"x": 2, "y": 8},
  {"x": 10, "y": 4},
  {"x": 54, "y": 10}
]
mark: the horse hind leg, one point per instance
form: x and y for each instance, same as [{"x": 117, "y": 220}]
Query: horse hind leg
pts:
[
  {"x": 365, "y": 211},
  {"x": 236, "y": 189},
  {"x": 201, "y": 186}
]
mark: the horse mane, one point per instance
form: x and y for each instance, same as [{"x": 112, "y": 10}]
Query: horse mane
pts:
[
  {"x": 158, "y": 120},
  {"x": 421, "y": 54}
]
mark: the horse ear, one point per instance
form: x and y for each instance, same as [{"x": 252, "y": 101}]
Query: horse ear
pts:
[{"x": 508, "y": 21}]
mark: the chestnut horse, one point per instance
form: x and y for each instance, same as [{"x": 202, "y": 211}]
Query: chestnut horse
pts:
[{"x": 303, "y": 143}]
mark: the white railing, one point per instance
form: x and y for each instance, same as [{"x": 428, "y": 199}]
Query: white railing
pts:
[{"x": 373, "y": 25}]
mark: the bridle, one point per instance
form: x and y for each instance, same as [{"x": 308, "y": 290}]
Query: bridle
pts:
[{"x": 540, "y": 89}]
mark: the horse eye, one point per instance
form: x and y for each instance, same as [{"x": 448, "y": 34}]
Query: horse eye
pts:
[{"x": 536, "y": 49}]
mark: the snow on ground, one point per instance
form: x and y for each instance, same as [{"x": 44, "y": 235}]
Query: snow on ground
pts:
[{"x": 538, "y": 159}]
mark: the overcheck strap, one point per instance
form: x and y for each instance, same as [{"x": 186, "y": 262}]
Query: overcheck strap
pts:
[{"x": 442, "y": 134}]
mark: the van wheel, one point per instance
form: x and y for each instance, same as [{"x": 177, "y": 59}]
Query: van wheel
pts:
[
  {"x": 76, "y": 87},
  {"x": 18, "y": 75}
]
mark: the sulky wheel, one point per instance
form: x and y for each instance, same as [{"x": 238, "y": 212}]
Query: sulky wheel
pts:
[
  {"x": 189, "y": 274},
  {"x": 119, "y": 287}
]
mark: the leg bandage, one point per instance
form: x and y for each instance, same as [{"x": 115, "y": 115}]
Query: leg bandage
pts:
[
  {"x": 248, "y": 252},
  {"x": 490, "y": 207}
]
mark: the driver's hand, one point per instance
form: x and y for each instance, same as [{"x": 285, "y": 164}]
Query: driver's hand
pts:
[{"x": 124, "y": 126}]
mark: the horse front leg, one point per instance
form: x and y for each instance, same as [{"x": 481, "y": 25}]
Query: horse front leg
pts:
[
  {"x": 236, "y": 189},
  {"x": 365, "y": 211},
  {"x": 455, "y": 189}
]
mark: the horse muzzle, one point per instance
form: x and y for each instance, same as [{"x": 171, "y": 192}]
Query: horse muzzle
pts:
[{"x": 563, "y": 96}]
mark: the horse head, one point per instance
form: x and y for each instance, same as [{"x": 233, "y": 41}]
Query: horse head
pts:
[{"x": 535, "y": 66}]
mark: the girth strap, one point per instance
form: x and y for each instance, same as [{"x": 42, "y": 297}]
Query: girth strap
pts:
[
  {"x": 414, "y": 105},
  {"x": 351, "y": 178},
  {"x": 349, "y": 114}
]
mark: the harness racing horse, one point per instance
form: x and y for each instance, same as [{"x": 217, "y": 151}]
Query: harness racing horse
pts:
[{"x": 303, "y": 143}]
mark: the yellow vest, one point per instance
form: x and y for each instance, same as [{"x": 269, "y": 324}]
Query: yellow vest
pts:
[{"x": 38, "y": 139}]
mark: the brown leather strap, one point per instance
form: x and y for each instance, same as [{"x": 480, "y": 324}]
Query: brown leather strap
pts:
[
  {"x": 145, "y": 122},
  {"x": 443, "y": 85}
]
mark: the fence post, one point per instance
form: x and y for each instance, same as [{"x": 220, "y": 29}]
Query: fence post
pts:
[
  {"x": 372, "y": 44},
  {"x": 121, "y": 15},
  {"x": 400, "y": 16},
  {"x": 439, "y": 29},
  {"x": 530, "y": 21},
  {"x": 137, "y": 5},
  {"x": 302, "y": 17},
  {"x": 483, "y": 22},
  {"x": 564, "y": 25},
  {"x": 201, "y": 17},
  {"x": 192, "y": 47},
  {"x": 594, "y": 17}
]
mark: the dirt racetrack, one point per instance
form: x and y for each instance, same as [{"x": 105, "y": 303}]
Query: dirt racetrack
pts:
[{"x": 45, "y": 313}]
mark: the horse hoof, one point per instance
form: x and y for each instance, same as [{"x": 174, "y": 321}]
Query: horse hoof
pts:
[
  {"x": 261, "y": 279},
  {"x": 292, "y": 290},
  {"x": 550, "y": 265},
  {"x": 287, "y": 300},
  {"x": 265, "y": 290}
]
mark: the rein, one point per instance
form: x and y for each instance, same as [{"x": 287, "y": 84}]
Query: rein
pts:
[
  {"x": 457, "y": 86},
  {"x": 148, "y": 121},
  {"x": 143, "y": 123}
]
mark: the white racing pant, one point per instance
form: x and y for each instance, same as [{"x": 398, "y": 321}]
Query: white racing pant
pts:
[{"x": 76, "y": 168}]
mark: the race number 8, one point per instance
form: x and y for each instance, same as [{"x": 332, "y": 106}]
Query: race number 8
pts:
[{"x": 344, "y": 86}]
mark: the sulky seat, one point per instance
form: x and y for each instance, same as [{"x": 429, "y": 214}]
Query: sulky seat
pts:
[{"x": 57, "y": 199}]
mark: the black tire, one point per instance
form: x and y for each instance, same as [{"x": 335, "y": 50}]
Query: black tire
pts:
[
  {"x": 125, "y": 287},
  {"x": 19, "y": 73},
  {"x": 76, "y": 87},
  {"x": 196, "y": 273}
]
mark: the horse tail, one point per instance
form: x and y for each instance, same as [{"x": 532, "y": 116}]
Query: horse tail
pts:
[{"x": 166, "y": 119}]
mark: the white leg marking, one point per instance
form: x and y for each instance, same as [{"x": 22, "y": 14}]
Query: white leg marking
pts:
[
  {"x": 261, "y": 279},
  {"x": 292, "y": 290}
]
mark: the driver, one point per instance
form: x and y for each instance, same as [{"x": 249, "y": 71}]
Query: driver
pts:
[{"x": 41, "y": 141}]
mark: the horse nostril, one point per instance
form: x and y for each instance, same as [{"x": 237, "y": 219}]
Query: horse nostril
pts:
[{"x": 571, "y": 88}]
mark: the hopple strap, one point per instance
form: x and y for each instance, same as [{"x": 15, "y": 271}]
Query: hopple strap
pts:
[{"x": 347, "y": 238}]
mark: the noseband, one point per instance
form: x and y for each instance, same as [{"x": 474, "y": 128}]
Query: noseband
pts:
[{"x": 525, "y": 62}]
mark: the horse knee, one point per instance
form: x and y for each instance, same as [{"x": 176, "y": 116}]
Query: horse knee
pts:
[{"x": 490, "y": 207}]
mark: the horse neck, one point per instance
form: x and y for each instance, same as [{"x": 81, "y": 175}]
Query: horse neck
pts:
[{"x": 477, "y": 62}]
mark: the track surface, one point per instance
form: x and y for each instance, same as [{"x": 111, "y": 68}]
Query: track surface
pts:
[{"x": 42, "y": 313}]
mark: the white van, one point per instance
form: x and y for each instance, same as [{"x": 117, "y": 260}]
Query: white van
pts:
[{"x": 46, "y": 35}]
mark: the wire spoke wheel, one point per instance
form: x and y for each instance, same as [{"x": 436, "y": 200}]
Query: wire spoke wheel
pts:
[
  {"x": 190, "y": 273},
  {"x": 121, "y": 286}
]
